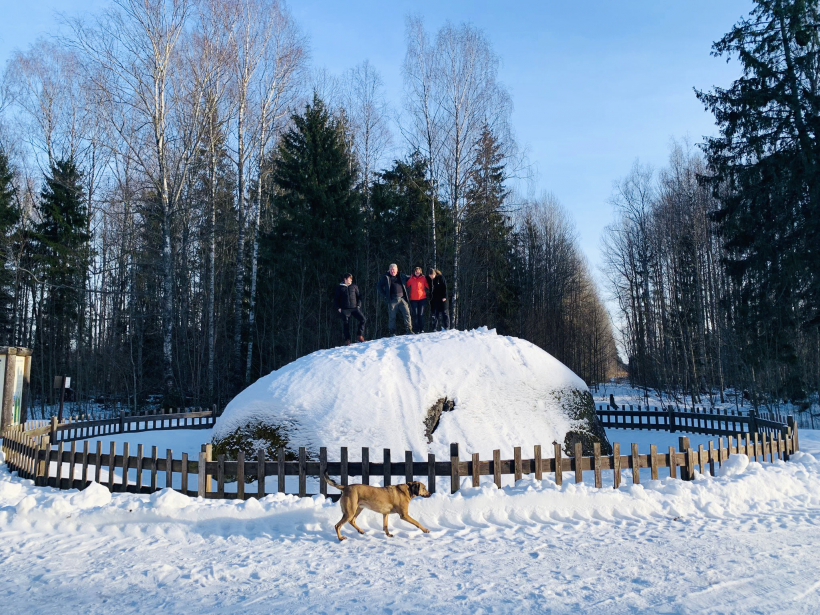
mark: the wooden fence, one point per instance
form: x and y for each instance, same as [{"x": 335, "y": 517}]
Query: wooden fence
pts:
[
  {"x": 31, "y": 454},
  {"x": 82, "y": 429},
  {"x": 708, "y": 422}
]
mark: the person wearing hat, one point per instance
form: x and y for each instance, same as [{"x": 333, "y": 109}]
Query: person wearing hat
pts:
[
  {"x": 417, "y": 286},
  {"x": 348, "y": 302}
]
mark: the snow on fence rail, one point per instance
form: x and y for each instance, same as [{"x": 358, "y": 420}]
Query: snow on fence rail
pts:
[{"x": 31, "y": 454}]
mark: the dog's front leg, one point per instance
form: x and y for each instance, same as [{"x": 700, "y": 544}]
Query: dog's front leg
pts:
[
  {"x": 386, "y": 531},
  {"x": 410, "y": 519}
]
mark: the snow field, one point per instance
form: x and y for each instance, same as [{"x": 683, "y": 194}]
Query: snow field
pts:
[{"x": 740, "y": 542}]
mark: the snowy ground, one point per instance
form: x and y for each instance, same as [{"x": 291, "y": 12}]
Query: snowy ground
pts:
[{"x": 744, "y": 541}]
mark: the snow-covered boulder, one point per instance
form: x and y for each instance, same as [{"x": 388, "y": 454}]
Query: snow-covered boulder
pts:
[{"x": 417, "y": 393}]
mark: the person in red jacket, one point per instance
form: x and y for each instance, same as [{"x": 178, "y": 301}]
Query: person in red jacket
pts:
[{"x": 418, "y": 286}]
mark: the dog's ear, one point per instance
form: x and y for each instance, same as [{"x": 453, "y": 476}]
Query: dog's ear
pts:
[{"x": 414, "y": 489}]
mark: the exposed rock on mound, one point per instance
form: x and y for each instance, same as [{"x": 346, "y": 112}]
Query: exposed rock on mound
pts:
[{"x": 417, "y": 393}]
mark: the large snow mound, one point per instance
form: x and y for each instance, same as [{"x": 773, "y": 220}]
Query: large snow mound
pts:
[{"x": 507, "y": 392}]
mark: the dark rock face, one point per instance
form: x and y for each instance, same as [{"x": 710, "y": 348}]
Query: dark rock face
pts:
[
  {"x": 581, "y": 407},
  {"x": 434, "y": 415}
]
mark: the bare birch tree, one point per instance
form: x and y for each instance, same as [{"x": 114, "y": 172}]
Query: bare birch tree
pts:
[{"x": 134, "y": 56}]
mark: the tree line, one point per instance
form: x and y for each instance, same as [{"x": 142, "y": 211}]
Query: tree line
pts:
[
  {"x": 180, "y": 191},
  {"x": 714, "y": 260}
]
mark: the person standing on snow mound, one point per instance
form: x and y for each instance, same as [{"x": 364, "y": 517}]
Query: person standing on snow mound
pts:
[
  {"x": 439, "y": 318},
  {"x": 392, "y": 289},
  {"x": 418, "y": 285},
  {"x": 348, "y": 302}
]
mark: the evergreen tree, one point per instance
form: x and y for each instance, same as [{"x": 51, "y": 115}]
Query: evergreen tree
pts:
[
  {"x": 316, "y": 230},
  {"x": 765, "y": 172},
  {"x": 63, "y": 259},
  {"x": 9, "y": 217},
  {"x": 486, "y": 281}
]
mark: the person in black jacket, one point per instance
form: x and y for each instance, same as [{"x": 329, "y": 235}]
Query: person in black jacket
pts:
[
  {"x": 348, "y": 302},
  {"x": 392, "y": 288},
  {"x": 438, "y": 300}
]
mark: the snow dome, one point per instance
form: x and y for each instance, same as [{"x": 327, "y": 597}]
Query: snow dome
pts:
[{"x": 417, "y": 393}]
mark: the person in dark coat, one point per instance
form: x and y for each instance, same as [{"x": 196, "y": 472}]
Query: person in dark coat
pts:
[
  {"x": 392, "y": 288},
  {"x": 348, "y": 302},
  {"x": 439, "y": 317}
]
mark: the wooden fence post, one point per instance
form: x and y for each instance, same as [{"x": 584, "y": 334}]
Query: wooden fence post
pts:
[
  {"x": 240, "y": 475},
  {"x": 431, "y": 472},
  {"x": 519, "y": 472},
  {"x": 365, "y": 465},
  {"x": 683, "y": 447},
  {"x": 344, "y": 464},
  {"x": 476, "y": 470},
  {"x": 112, "y": 454},
  {"x": 387, "y": 470},
  {"x": 260, "y": 473},
  {"x": 302, "y": 471},
  {"x": 497, "y": 467},
  {"x": 200, "y": 483},
  {"x": 596, "y": 466},
  {"x": 322, "y": 470},
  {"x": 559, "y": 470},
  {"x": 636, "y": 465},
  {"x": 793, "y": 427},
  {"x": 209, "y": 455},
  {"x": 578, "y": 461},
  {"x": 616, "y": 465},
  {"x": 280, "y": 470},
  {"x": 539, "y": 462},
  {"x": 183, "y": 486},
  {"x": 408, "y": 466},
  {"x": 653, "y": 461},
  {"x": 454, "y": 476}
]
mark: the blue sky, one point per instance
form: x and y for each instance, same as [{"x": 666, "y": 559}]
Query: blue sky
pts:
[{"x": 596, "y": 84}]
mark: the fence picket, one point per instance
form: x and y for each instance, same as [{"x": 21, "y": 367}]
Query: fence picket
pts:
[
  {"x": 653, "y": 461},
  {"x": 538, "y": 461},
  {"x": 240, "y": 475},
  {"x": 596, "y": 447},
  {"x": 280, "y": 470},
  {"x": 636, "y": 465},
  {"x": 344, "y": 464},
  {"x": 519, "y": 473},
  {"x": 616, "y": 465},
  {"x": 454, "y": 475},
  {"x": 387, "y": 470},
  {"x": 673, "y": 463},
  {"x": 497, "y": 468},
  {"x": 260, "y": 473},
  {"x": 302, "y": 471},
  {"x": 577, "y": 463},
  {"x": 431, "y": 472},
  {"x": 322, "y": 470},
  {"x": 408, "y": 467},
  {"x": 475, "y": 470},
  {"x": 559, "y": 476},
  {"x": 183, "y": 486}
]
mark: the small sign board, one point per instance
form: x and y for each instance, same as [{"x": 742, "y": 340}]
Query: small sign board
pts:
[{"x": 58, "y": 382}]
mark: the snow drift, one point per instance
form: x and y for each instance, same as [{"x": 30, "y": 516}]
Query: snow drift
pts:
[{"x": 505, "y": 392}]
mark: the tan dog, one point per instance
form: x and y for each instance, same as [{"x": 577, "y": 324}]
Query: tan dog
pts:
[{"x": 384, "y": 500}]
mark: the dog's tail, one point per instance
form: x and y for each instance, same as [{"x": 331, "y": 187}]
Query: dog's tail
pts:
[{"x": 333, "y": 483}]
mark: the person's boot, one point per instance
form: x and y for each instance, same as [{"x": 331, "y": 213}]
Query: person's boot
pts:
[
  {"x": 347, "y": 342},
  {"x": 361, "y": 338}
]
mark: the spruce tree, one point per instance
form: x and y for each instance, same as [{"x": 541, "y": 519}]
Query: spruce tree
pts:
[
  {"x": 765, "y": 173},
  {"x": 314, "y": 235},
  {"x": 9, "y": 218},
  {"x": 61, "y": 244},
  {"x": 487, "y": 295}
]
